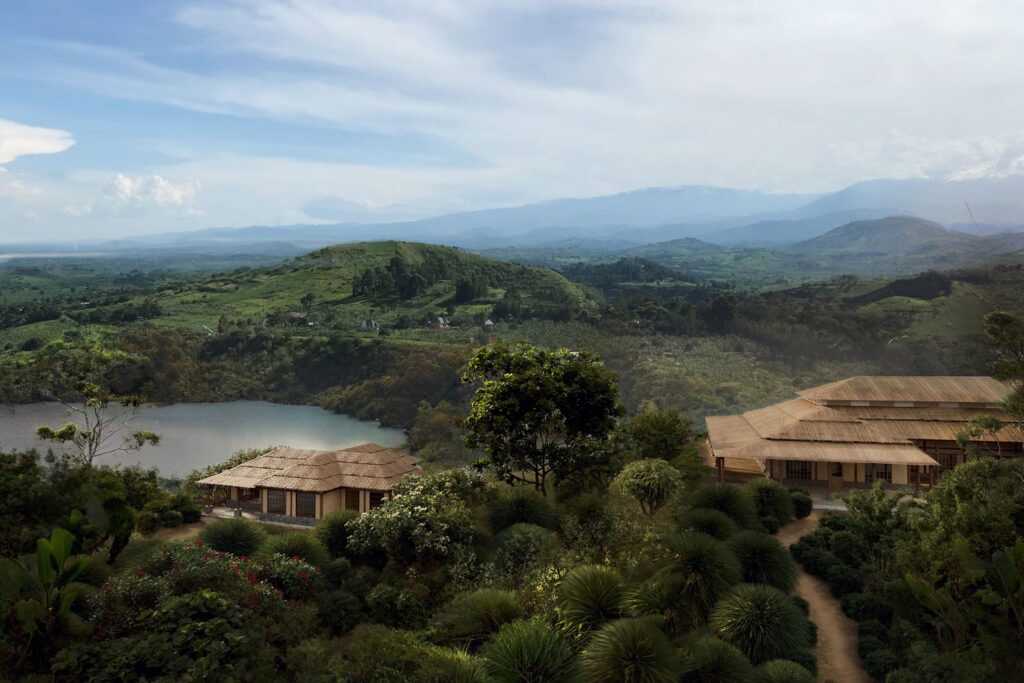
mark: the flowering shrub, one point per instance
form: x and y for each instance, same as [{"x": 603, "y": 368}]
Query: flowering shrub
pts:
[{"x": 425, "y": 522}]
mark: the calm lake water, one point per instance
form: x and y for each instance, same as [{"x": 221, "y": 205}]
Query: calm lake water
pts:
[{"x": 194, "y": 435}]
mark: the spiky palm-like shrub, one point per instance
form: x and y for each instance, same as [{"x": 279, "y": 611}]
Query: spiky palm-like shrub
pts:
[
  {"x": 451, "y": 665},
  {"x": 588, "y": 597},
  {"x": 651, "y": 482},
  {"x": 702, "y": 569},
  {"x": 300, "y": 544},
  {"x": 472, "y": 617},
  {"x": 521, "y": 505},
  {"x": 732, "y": 500},
  {"x": 763, "y": 560},
  {"x": 771, "y": 499},
  {"x": 763, "y": 622},
  {"x": 713, "y": 661},
  {"x": 333, "y": 531},
  {"x": 708, "y": 521},
  {"x": 529, "y": 651},
  {"x": 783, "y": 671},
  {"x": 630, "y": 651},
  {"x": 237, "y": 536}
]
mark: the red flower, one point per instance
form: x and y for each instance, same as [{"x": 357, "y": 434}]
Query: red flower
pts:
[
  {"x": 105, "y": 585},
  {"x": 200, "y": 543},
  {"x": 316, "y": 569},
  {"x": 304, "y": 577},
  {"x": 296, "y": 557},
  {"x": 140, "y": 573}
]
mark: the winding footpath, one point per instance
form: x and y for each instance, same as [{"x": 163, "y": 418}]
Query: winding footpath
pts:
[{"x": 836, "y": 648}]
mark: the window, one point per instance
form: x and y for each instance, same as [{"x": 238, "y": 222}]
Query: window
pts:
[
  {"x": 276, "y": 502},
  {"x": 352, "y": 499},
  {"x": 798, "y": 469},
  {"x": 305, "y": 504},
  {"x": 376, "y": 498},
  {"x": 837, "y": 469},
  {"x": 873, "y": 473}
]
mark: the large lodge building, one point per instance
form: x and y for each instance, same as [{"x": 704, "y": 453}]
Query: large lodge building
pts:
[{"x": 856, "y": 431}]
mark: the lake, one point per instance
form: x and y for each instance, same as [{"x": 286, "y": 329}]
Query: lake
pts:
[{"x": 193, "y": 435}]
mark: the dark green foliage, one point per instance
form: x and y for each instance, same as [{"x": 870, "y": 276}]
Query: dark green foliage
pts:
[
  {"x": 771, "y": 499},
  {"x": 867, "y": 606},
  {"x": 650, "y": 482},
  {"x": 588, "y": 597},
  {"x": 770, "y": 524},
  {"x": 763, "y": 560},
  {"x": 167, "y": 512},
  {"x": 630, "y": 651},
  {"x": 698, "y": 571},
  {"x": 802, "y": 604},
  {"x": 802, "y": 504},
  {"x": 832, "y": 520},
  {"x": 848, "y": 548},
  {"x": 711, "y": 660},
  {"x": 803, "y": 657},
  {"x": 529, "y": 651},
  {"x": 397, "y": 606},
  {"x": 732, "y": 500},
  {"x": 658, "y": 433},
  {"x": 521, "y": 505},
  {"x": 761, "y": 621},
  {"x": 301, "y": 544},
  {"x": 340, "y": 611},
  {"x": 783, "y": 671},
  {"x": 869, "y": 627},
  {"x": 879, "y": 663},
  {"x": 711, "y": 522},
  {"x": 333, "y": 531},
  {"x": 842, "y": 579},
  {"x": 471, "y": 617},
  {"x": 539, "y": 412},
  {"x": 237, "y": 536},
  {"x": 522, "y": 548}
]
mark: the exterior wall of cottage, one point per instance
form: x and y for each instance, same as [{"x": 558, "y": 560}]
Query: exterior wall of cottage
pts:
[{"x": 331, "y": 501}]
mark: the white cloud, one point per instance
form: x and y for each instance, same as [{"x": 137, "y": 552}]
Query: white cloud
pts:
[
  {"x": 19, "y": 140},
  {"x": 150, "y": 191}
]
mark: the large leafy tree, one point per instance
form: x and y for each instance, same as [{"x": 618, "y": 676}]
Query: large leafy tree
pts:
[
  {"x": 539, "y": 412},
  {"x": 99, "y": 388}
]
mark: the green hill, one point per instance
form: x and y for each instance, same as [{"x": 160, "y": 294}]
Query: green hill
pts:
[{"x": 892, "y": 236}]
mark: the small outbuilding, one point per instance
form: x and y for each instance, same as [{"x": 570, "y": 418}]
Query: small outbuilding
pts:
[{"x": 291, "y": 482}]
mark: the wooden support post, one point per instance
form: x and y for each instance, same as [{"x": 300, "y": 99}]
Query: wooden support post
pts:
[
  {"x": 917, "y": 478},
  {"x": 828, "y": 476},
  {"x": 720, "y": 466}
]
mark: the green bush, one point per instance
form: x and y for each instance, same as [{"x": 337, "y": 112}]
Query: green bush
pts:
[
  {"x": 630, "y": 650},
  {"x": 588, "y": 597},
  {"x": 340, "y": 611},
  {"x": 522, "y": 548},
  {"x": 871, "y": 627},
  {"x": 866, "y": 606},
  {"x": 333, "y": 531},
  {"x": 842, "y": 580},
  {"x": 761, "y": 621},
  {"x": 529, "y": 650},
  {"x": 166, "y": 512},
  {"x": 702, "y": 570},
  {"x": 783, "y": 671},
  {"x": 879, "y": 663},
  {"x": 650, "y": 482},
  {"x": 770, "y": 524},
  {"x": 832, "y": 520},
  {"x": 237, "y": 536},
  {"x": 711, "y": 522},
  {"x": 337, "y": 572},
  {"x": 471, "y": 617},
  {"x": 714, "y": 661},
  {"x": 802, "y": 604},
  {"x": 771, "y": 499},
  {"x": 802, "y": 504},
  {"x": 763, "y": 560},
  {"x": 396, "y": 606},
  {"x": 376, "y": 653},
  {"x": 732, "y": 500},
  {"x": 301, "y": 544},
  {"x": 521, "y": 505},
  {"x": 815, "y": 560},
  {"x": 848, "y": 548},
  {"x": 803, "y": 657},
  {"x": 450, "y": 665}
]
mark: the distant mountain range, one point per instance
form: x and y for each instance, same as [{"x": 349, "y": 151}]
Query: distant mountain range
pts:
[{"x": 715, "y": 215}]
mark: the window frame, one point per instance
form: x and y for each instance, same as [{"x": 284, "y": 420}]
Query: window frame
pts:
[
  {"x": 272, "y": 495},
  {"x": 305, "y": 501}
]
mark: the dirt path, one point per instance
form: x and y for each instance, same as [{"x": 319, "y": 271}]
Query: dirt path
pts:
[
  {"x": 836, "y": 649},
  {"x": 183, "y": 532}
]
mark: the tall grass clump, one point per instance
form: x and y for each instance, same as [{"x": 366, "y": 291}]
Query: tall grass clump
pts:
[
  {"x": 783, "y": 671},
  {"x": 708, "y": 521},
  {"x": 711, "y": 660},
  {"x": 633, "y": 650},
  {"x": 300, "y": 544},
  {"x": 333, "y": 531},
  {"x": 763, "y": 560},
  {"x": 732, "y": 500},
  {"x": 237, "y": 536},
  {"x": 529, "y": 650},
  {"x": 763, "y": 622},
  {"x": 521, "y": 505},
  {"x": 588, "y": 597},
  {"x": 471, "y": 617}
]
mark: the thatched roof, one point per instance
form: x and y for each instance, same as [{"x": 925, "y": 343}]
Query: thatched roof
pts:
[
  {"x": 940, "y": 391},
  {"x": 368, "y": 466},
  {"x": 862, "y": 419}
]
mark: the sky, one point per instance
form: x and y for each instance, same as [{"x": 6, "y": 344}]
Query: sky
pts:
[{"x": 120, "y": 117}]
